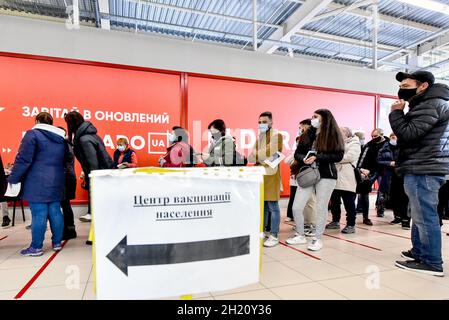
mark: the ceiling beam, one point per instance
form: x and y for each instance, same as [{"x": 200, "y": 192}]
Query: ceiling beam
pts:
[
  {"x": 206, "y": 13},
  {"x": 345, "y": 40},
  {"x": 435, "y": 44},
  {"x": 295, "y": 22},
  {"x": 399, "y": 53},
  {"x": 341, "y": 9},
  {"x": 382, "y": 17}
]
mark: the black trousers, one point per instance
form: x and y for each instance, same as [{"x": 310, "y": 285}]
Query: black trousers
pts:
[
  {"x": 291, "y": 201},
  {"x": 398, "y": 198},
  {"x": 364, "y": 203},
  {"x": 349, "y": 204},
  {"x": 68, "y": 214}
]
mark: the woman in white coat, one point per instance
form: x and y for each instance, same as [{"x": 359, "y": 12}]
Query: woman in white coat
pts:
[{"x": 346, "y": 184}]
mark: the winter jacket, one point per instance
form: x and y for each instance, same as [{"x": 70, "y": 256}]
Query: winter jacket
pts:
[
  {"x": 39, "y": 164},
  {"x": 368, "y": 156},
  {"x": 69, "y": 173},
  {"x": 90, "y": 151},
  {"x": 128, "y": 156},
  {"x": 325, "y": 160},
  {"x": 423, "y": 133},
  {"x": 3, "y": 181},
  {"x": 221, "y": 152},
  {"x": 266, "y": 146},
  {"x": 345, "y": 168},
  {"x": 179, "y": 154},
  {"x": 386, "y": 155}
]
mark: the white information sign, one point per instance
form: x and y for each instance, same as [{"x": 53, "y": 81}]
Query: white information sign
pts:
[{"x": 175, "y": 233}]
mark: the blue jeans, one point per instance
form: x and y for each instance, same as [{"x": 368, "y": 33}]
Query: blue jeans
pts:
[
  {"x": 271, "y": 208},
  {"x": 40, "y": 212},
  {"x": 422, "y": 191}
]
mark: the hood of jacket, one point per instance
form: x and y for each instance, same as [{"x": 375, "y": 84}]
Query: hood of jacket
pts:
[
  {"x": 85, "y": 128},
  {"x": 51, "y": 132},
  {"x": 437, "y": 91},
  {"x": 353, "y": 140}
]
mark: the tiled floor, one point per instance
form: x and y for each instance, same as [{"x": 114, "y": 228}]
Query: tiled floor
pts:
[{"x": 356, "y": 266}]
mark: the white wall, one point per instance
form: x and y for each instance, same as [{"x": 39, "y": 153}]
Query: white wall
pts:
[{"x": 30, "y": 36}]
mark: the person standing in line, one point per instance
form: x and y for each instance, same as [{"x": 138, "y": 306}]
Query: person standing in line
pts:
[
  {"x": 304, "y": 127},
  {"x": 89, "y": 150},
  {"x": 328, "y": 148},
  {"x": 39, "y": 167},
  {"x": 69, "y": 191},
  {"x": 423, "y": 142},
  {"x": 346, "y": 184},
  {"x": 267, "y": 145},
  {"x": 369, "y": 168},
  {"x": 392, "y": 184}
]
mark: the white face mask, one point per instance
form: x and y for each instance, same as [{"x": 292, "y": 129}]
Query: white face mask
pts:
[
  {"x": 393, "y": 142},
  {"x": 121, "y": 148},
  {"x": 316, "y": 123},
  {"x": 171, "y": 138},
  {"x": 263, "y": 127}
]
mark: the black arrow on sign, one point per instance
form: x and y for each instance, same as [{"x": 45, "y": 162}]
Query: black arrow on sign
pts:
[{"x": 124, "y": 255}]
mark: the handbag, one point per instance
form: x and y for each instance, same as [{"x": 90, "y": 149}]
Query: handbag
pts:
[
  {"x": 358, "y": 175},
  {"x": 308, "y": 176}
]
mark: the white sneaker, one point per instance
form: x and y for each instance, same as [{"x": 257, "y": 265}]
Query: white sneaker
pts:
[
  {"x": 315, "y": 245},
  {"x": 86, "y": 218},
  {"x": 271, "y": 242},
  {"x": 297, "y": 239}
]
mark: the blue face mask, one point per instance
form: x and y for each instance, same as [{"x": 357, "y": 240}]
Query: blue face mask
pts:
[
  {"x": 263, "y": 127},
  {"x": 393, "y": 142}
]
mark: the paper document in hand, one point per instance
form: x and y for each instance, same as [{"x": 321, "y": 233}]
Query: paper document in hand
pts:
[
  {"x": 275, "y": 159},
  {"x": 13, "y": 190}
]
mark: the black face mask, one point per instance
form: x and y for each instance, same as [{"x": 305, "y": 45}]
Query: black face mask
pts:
[
  {"x": 376, "y": 140},
  {"x": 407, "y": 94}
]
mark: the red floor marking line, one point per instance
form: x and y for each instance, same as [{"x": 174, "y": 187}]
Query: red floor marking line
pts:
[
  {"x": 303, "y": 252},
  {"x": 3, "y": 238},
  {"x": 383, "y": 232},
  {"x": 358, "y": 243},
  {"x": 38, "y": 273}
]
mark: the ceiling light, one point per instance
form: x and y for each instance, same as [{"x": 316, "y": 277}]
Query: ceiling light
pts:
[{"x": 429, "y": 5}]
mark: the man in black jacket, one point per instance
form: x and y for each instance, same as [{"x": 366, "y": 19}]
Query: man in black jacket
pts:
[
  {"x": 423, "y": 141},
  {"x": 369, "y": 168}
]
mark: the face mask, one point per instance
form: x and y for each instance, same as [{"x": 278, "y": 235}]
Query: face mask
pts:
[
  {"x": 171, "y": 138},
  {"x": 263, "y": 127},
  {"x": 316, "y": 123},
  {"x": 376, "y": 140},
  {"x": 121, "y": 148},
  {"x": 215, "y": 135},
  {"x": 362, "y": 141},
  {"x": 407, "y": 94},
  {"x": 393, "y": 142}
]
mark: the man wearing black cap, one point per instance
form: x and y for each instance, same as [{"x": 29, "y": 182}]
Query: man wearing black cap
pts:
[{"x": 423, "y": 142}]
